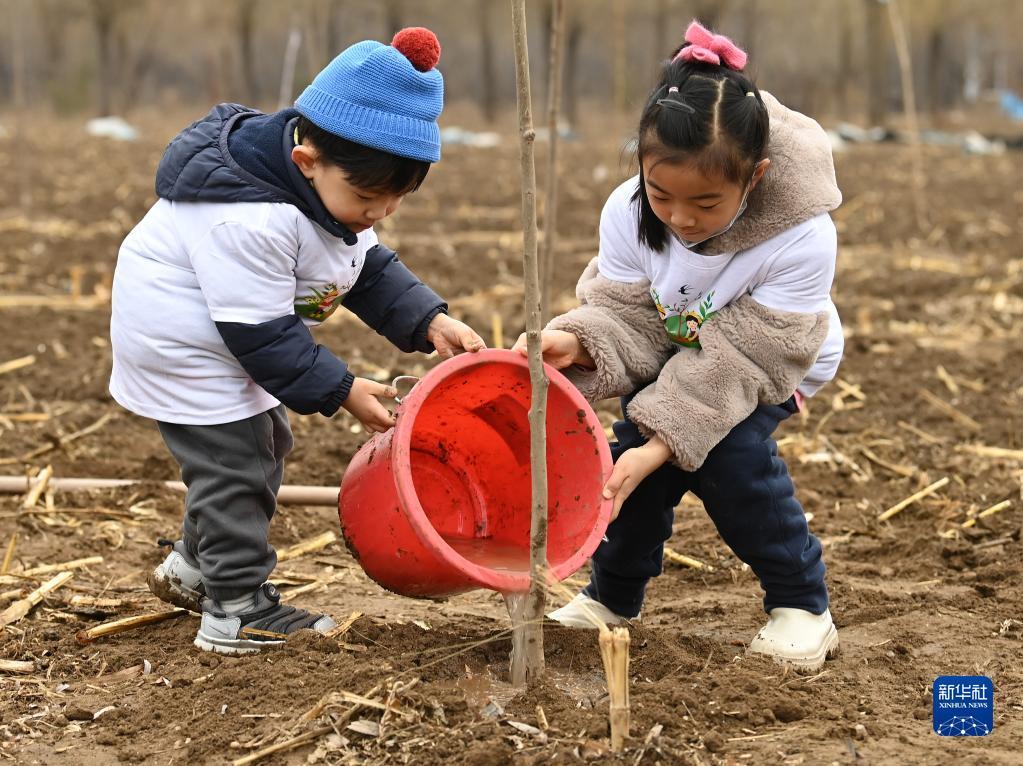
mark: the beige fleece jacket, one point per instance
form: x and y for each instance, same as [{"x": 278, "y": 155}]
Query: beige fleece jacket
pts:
[{"x": 750, "y": 354}]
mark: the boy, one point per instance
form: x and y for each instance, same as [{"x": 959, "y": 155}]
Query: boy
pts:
[{"x": 263, "y": 227}]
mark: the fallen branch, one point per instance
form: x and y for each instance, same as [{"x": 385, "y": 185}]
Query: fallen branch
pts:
[
  {"x": 928, "y": 490},
  {"x": 995, "y": 452},
  {"x": 20, "y": 608},
  {"x": 126, "y": 624}
]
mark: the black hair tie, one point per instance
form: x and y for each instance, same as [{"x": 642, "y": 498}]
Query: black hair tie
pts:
[{"x": 674, "y": 101}]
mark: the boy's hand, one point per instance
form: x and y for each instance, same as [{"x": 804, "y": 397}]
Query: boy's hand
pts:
[
  {"x": 363, "y": 403},
  {"x": 560, "y": 349},
  {"x": 632, "y": 467},
  {"x": 449, "y": 336}
]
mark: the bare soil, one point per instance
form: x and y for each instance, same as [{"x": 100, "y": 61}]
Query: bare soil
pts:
[{"x": 935, "y": 308}]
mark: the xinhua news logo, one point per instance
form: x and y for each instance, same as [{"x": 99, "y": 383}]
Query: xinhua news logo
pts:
[{"x": 964, "y": 706}]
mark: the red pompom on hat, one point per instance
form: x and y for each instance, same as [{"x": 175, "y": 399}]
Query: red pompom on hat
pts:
[{"x": 419, "y": 45}]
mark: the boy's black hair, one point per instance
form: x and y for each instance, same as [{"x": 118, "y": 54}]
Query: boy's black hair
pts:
[
  {"x": 365, "y": 167},
  {"x": 710, "y": 123}
]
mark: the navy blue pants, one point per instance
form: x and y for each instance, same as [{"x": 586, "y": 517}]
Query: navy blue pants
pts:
[{"x": 748, "y": 493}]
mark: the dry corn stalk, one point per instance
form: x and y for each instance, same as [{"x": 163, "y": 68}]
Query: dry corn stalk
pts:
[
  {"x": 128, "y": 623},
  {"x": 614, "y": 650},
  {"x": 928, "y": 490},
  {"x": 20, "y": 608}
]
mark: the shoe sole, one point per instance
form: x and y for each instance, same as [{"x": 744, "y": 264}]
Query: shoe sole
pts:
[
  {"x": 231, "y": 645},
  {"x": 164, "y": 589},
  {"x": 829, "y": 650}
]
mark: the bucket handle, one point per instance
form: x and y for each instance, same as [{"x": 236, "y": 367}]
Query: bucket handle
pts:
[{"x": 404, "y": 379}]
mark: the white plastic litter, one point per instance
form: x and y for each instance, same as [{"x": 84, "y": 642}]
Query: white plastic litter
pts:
[{"x": 112, "y": 127}]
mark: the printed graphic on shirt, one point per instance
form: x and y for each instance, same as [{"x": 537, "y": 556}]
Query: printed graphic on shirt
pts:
[
  {"x": 681, "y": 323},
  {"x": 321, "y": 304}
]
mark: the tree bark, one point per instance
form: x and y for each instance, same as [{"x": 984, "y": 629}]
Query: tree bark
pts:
[
  {"x": 533, "y": 611},
  {"x": 550, "y": 215}
]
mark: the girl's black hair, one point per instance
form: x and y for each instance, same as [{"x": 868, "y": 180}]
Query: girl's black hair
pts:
[
  {"x": 365, "y": 167},
  {"x": 710, "y": 123}
]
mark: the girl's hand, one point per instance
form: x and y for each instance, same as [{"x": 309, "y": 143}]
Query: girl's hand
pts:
[
  {"x": 560, "y": 349},
  {"x": 449, "y": 336},
  {"x": 632, "y": 467},
  {"x": 363, "y": 403}
]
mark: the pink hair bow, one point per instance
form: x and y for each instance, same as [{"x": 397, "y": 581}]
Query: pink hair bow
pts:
[{"x": 710, "y": 48}]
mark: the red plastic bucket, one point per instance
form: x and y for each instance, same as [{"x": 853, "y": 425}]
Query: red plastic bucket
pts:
[{"x": 441, "y": 503}]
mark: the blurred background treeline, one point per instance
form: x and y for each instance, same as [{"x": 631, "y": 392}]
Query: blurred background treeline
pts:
[{"x": 831, "y": 58}]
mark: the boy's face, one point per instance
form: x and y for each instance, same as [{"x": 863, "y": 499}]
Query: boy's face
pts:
[{"x": 357, "y": 208}]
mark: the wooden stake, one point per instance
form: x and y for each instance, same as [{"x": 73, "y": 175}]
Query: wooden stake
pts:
[
  {"x": 20, "y": 608},
  {"x": 614, "y": 650},
  {"x": 126, "y": 624},
  {"x": 550, "y": 216},
  {"x": 308, "y": 546},
  {"x": 928, "y": 490},
  {"x": 38, "y": 487},
  {"x": 533, "y": 610}
]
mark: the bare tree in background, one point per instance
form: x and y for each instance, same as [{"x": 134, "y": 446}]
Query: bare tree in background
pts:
[
  {"x": 488, "y": 67},
  {"x": 573, "y": 41},
  {"x": 877, "y": 75},
  {"x": 394, "y": 15},
  {"x": 104, "y": 14},
  {"x": 245, "y": 22}
]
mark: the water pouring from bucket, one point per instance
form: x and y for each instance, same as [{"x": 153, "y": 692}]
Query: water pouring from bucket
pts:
[{"x": 441, "y": 503}]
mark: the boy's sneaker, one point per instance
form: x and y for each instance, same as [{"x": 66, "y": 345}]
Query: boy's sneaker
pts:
[
  {"x": 267, "y": 623},
  {"x": 176, "y": 581},
  {"x": 582, "y": 611},
  {"x": 797, "y": 637}
]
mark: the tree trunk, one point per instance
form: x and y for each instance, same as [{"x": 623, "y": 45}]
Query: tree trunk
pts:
[
  {"x": 844, "y": 75},
  {"x": 488, "y": 95},
  {"x": 877, "y": 45},
  {"x": 550, "y": 215},
  {"x": 246, "y": 21},
  {"x": 573, "y": 37},
  {"x": 103, "y": 14},
  {"x": 533, "y": 611},
  {"x": 620, "y": 51}
]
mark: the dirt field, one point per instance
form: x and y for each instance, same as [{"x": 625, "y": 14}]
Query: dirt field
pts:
[{"x": 933, "y": 368}]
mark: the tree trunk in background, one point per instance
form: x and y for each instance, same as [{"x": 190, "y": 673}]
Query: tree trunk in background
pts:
[
  {"x": 844, "y": 73},
  {"x": 877, "y": 60},
  {"x": 620, "y": 62},
  {"x": 663, "y": 42},
  {"x": 488, "y": 67},
  {"x": 103, "y": 15},
  {"x": 393, "y": 18},
  {"x": 246, "y": 22},
  {"x": 708, "y": 12},
  {"x": 936, "y": 70},
  {"x": 573, "y": 37},
  {"x": 750, "y": 13}
]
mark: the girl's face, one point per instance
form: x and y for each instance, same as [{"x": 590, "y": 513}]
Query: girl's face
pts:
[{"x": 691, "y": 204}]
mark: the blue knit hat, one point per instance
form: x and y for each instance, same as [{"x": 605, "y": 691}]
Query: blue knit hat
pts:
[{"x": 384, "y": 96}]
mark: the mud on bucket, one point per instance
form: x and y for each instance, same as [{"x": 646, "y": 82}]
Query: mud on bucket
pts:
[{"x": 441, "y": 503}]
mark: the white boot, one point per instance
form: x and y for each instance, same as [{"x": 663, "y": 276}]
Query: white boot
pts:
[
  {"x": 798, "y": 637},
  {"x": 584, "y": 612}
]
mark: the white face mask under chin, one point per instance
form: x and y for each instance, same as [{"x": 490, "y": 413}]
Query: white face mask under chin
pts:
[{"x": 742, "y": 209}]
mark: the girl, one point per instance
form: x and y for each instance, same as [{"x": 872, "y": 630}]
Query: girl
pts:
[{"x": 727, "y": 221}]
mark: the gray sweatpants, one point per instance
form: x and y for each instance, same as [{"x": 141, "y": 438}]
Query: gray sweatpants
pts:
[{"x": 233, "y": 472}]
